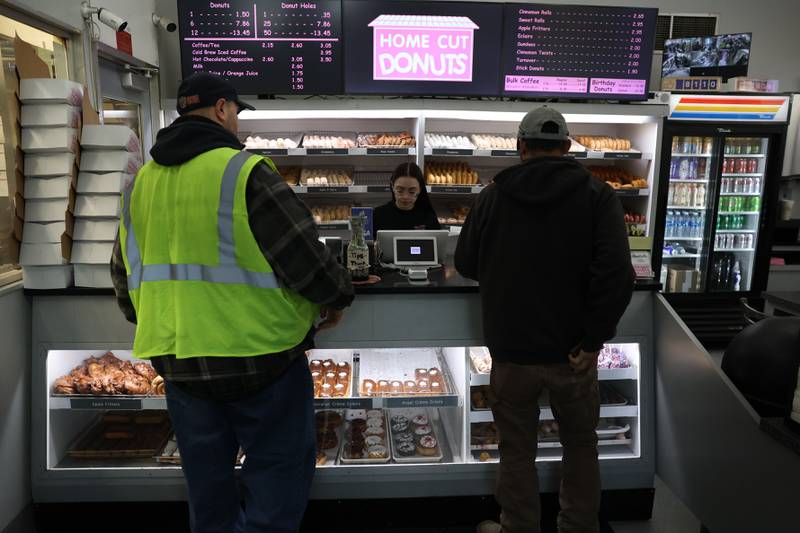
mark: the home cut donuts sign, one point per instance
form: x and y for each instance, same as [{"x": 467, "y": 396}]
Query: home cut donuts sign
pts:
[{"x": 423, "y": 48}]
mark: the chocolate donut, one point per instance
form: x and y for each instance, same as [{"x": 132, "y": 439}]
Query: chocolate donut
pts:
[
  {"x": 404, "y": 437},
  {"x": 406, "y": 449},
  {"x": 399, "y": 427}
]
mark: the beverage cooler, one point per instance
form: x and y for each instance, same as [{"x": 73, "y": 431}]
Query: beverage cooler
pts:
[{"x": 716, "y": 207}]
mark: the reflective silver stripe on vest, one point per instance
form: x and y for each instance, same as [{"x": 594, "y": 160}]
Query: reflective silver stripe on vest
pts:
[{"x": 227, "y": 271}]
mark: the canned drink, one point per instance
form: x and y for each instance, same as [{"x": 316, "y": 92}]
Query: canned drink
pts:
[
  {"x": 726, "y": 185},
  {"x": 748, "y": 243},
  {"x": 756, "y": 185},
  {"x": 725, "y": 165},
  {"x": 738, "y": 241},
  {"x": 755, "y": 203},
  {"x": 738, "y": 185},
  {"x": 752, "y": 165},
  {"x": 741, "y": 165},
  {"x": 737, "y": 147},
  {"x": 707, "y": 145},
  {"x": 748, "y": 185},
  {"x": 676, "y": 144},
  {"x": 748, "y": 146},
  {"x": 687, "y": 145}
]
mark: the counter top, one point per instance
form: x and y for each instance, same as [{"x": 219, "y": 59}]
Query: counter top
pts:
[
  {"x": 442, "y": 280},
  {"x": 788, "y": 301}
]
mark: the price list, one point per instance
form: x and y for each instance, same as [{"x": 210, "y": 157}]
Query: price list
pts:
[
  {"x": 578, "y": 50},
  {"x": 266, "y": 46}
]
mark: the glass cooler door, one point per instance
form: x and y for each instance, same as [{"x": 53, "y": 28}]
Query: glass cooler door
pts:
[
  {"x": 687, "y": 228},
  {"x": 738, "y": 213}
]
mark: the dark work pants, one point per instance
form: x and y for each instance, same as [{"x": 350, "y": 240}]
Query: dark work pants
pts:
[{"x": 275, "y": 429}]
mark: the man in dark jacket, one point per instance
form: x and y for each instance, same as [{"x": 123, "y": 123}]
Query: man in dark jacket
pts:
[
  {"x": 220, "y": 403},
  {"x": 548, "y": 244}
]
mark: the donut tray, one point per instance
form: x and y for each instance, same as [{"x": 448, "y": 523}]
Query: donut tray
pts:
[
  {"x": 351, "y": 414},
  {"x": 417, "y": 457},
  {"x": 332, "y": 453},
  {"x": 337, "y": 356},
  {"x": 376, "y": 366},
  {"x": 170, "y": 454}
]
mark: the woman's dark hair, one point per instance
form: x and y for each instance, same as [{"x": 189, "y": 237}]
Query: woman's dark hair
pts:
[{"x": 412, "y": 170}]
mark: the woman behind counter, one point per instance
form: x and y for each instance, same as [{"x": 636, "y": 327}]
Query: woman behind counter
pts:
[{"x": 410, "y": 207}]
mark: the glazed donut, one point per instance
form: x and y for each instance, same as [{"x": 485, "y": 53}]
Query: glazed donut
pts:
[
  {"x": 315, "y": 364},
  {"x": 330, "y": 378},
  {"x": 326, "y": 390},
  {"x": 373, "y": 440},
  {"x": 396, "y": 387},
  {"x": 434, "y": 373},
  {"x": 375, "y": 422},
  {"x": 328, "y": 364},
  {"x": 343, "y": 378},
  {"x": 374, "y": 413},
  {"x": 374, "y": 431},
  {"x": 421, "y": 373},
  {"x": 423, "y": 386},
  {"x": 383, "y": 387},
  {"x": 339, "y": 390},
  {"x": 343, "y": 366},
  {"x": 317, "y": 389},
  {"x": 410, "y": 387},
  {"x": 377, "y": 452},
  {"x": 436, "y": 387},
  {"x": 368, "y": 387}
]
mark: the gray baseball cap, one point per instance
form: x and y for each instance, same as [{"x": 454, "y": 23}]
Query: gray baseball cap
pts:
[{"x": 532, "y": 123}]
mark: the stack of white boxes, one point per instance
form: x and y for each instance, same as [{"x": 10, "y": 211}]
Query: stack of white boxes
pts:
[
  {"x": 50, "y": 118},
  {"x": 110, "y": 156}
]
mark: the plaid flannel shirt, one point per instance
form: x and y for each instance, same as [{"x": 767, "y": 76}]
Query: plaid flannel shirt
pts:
[{"x": 284, "y": 229}]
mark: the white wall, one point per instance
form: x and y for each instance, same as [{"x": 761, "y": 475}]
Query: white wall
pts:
[
  {"x": 136, "y": 12},
  {"x": 15, "y": 403}
]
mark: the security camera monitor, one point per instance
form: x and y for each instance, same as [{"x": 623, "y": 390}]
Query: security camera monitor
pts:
[
  {"x": 727, "y": 56},
  {"x": 264, "y": 46},
  {"x": 582, "y": 52},
  {"x": 395, "y": 47}
]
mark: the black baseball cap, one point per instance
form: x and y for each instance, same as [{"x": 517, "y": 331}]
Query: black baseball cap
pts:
[{"x": 202, "y": 89}]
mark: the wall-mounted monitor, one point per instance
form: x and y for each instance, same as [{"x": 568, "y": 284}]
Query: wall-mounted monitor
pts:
[
  {"x": 586, "y": 52},
  {"x": 264, "y": 46},
  {"x": 727, "y": 56},
  {"x": 422, "y": 48}
]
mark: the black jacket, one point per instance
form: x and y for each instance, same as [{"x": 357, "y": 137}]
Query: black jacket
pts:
[
  {"x": 389, "y": 216},
  {"x": 547, "y": 242}
]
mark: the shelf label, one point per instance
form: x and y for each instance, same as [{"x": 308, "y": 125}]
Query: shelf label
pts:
[
  {"x": 623, "y": 155},
  {"x": 578, "y": 155},
  {"x": 452, "y": 151},
  {"x": 504, "y": 153},
  {"x": 327, "y": 151},
  {"x": 334, "y": 225},
  {"x": 627, "y": 192},
  {"x": 270, "y": 151},
  {"x": 343, "y": 403},
  {"x": 387, "y": 151},
  {"x": 379, "y": 188},
  {"x": 452, "y": 190},
  {"x": 434, "y": 401},
  {"x": 336, "y": 189},
  {"x": 105, "y": 403}
]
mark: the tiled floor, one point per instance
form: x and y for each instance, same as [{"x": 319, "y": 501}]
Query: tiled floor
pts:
[{"x": 669, "y": 516}]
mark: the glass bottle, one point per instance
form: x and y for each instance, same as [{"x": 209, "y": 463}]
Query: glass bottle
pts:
[{"x": 357, "y": 250}]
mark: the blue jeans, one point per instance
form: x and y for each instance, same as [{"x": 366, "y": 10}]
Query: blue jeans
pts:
[{"x": 275, "y": 428}]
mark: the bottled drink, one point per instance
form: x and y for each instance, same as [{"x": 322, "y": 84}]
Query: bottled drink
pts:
[
  {"x": 727, "y": 272},
  {"x": 737, "y": 276},
  {"x": 671, "y": 194},
  {"x": 738, "y": 148},
  {"x": 693, "y": 168},
  {"x": 702, "y": 167},
  {"x": 701, "y": 224},
  {"x": 680, "y": 227},
  {"x": 683, "y": 169},
  {"x": 716, "y": 277},
  {"x": 727, "y": 148},
  {"x": 756, "y": 146},
  {"x": 669, "y": 225},
  {"x": 673, "y": 168},
  {"x": 692, "y": 195}
]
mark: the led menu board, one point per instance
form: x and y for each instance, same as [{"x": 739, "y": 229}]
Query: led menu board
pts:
[
  {"x": 587, "y": 52},
  {"x": 422, "y": 48},
  {"x": 264, "y": 46}
]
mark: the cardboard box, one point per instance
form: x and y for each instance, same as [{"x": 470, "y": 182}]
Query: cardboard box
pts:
[
  {"x": 102, "y": 183},
  {"x": 111, "y": 161},
  {"x": 49, "y": 165},
  {"x": 3, "y": 186},
  {"x": 47, "y": 140},
  {"x": 50, "y": 115},
  {"x": 47, "y": 210},
  {"x": 683, "y": 279},
  {"x": 97, "y": 206},
  {"x": 92, "y": 252},
  {"x": 36, "y": 188},
  {"x": 109, "y": 137},
  {"x": 50, "y": 91},
  {"x": 95, "y": 229},
  {"x": 95, "y": 276},
  {"x": 41, "y": 254},
  {"x": 38, "y": 233},
  {"x": 47, "y": 277}
]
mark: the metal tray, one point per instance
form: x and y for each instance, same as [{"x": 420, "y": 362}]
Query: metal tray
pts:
[
  {"x": 416, "y": 458},
  {"x": 349, "y": 415}
]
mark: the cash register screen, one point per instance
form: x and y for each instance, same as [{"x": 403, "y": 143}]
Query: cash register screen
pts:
[{"x": 415, "y": 251}]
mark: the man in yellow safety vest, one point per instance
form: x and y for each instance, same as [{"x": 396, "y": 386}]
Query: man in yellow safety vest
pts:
[{"x": 219, "y": 265}]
